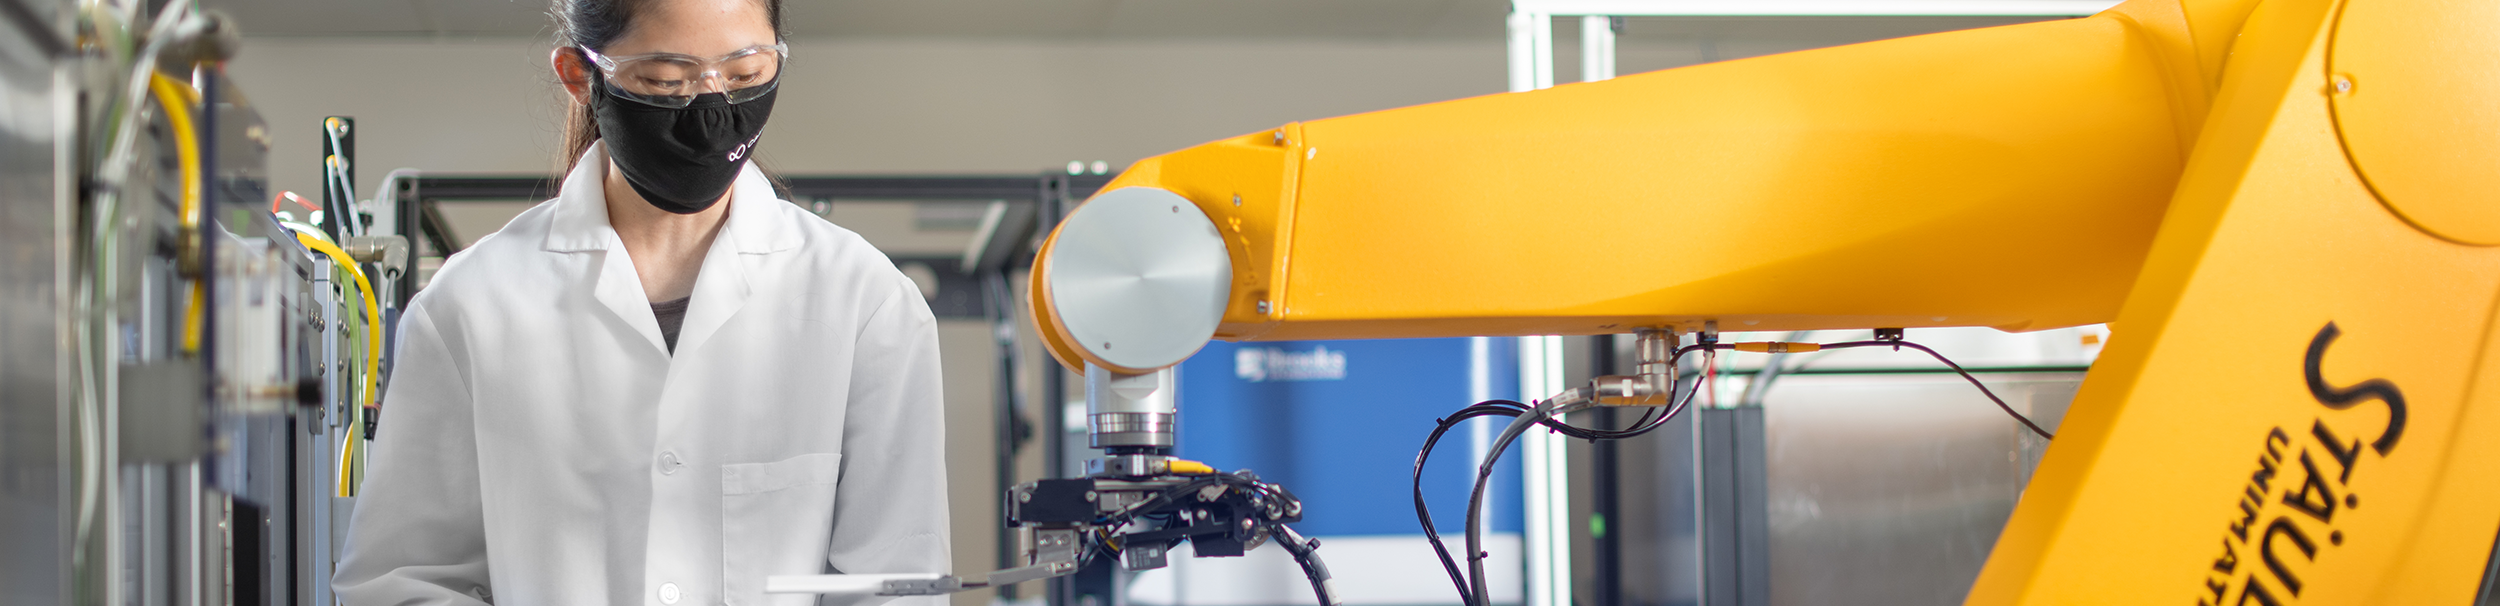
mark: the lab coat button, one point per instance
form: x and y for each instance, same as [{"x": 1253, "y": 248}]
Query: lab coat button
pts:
[
  {"x": 668, "y": 593},
  {"x": 669, "y": 463}
]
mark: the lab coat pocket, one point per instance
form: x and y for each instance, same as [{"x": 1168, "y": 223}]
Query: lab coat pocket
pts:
[{"x": 776, "y": 519}]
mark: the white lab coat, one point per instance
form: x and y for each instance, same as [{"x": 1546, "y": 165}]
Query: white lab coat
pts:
[{"x": 538, "y": 444}]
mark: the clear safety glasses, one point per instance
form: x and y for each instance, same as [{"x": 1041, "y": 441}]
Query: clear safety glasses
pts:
[{"x": 673, "y": 80}]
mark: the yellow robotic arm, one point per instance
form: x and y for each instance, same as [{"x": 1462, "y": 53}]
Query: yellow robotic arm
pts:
[
  {"x": 2008, "y": 177},
  {"x": 2287, "y": 208}
]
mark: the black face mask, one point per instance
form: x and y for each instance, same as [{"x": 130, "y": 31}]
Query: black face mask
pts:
[{"x": 681, "y": 160}]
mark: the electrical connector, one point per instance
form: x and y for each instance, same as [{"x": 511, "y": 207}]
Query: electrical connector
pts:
[{"x": 1778, "y": 347}]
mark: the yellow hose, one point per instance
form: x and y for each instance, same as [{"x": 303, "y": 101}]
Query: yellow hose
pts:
[
  {"x": 373, "y": 357},
  {"x": 176, "y": 98}
]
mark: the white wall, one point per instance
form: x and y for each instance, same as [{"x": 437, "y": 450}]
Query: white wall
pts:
[
  {"x": 946, "y": 105},
  {"x": 855, "y": 106}
]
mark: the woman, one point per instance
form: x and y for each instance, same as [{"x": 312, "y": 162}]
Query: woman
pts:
[{"x": 665, "y": 384}]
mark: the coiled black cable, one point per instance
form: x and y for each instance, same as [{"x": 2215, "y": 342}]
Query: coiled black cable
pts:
[
  {"x": 1471, "y": 582},
  {"x": 1513, "y": 409}
]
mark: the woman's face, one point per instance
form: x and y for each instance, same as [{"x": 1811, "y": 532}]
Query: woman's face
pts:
[{"x": 699, "y": 28}]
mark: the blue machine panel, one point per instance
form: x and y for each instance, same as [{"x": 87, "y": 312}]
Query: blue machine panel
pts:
[{"x": 1339, "y": 424}]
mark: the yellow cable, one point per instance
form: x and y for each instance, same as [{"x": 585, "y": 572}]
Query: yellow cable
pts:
[
  {"x": 1778, "y": 347},
  {"x": 373, "y": 355},
  {"x": 191, "y": 318},
  {"x": 346, "y": 480},
  {"x": 176, "y": 98}
]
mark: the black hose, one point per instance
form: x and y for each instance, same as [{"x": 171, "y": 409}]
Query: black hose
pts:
[
  {"x": 1306, "y": 553},
  {"x": 1468, "y": 592},
  {"x": 1423, "y": 513},
  {"x": 1475, "y": 500}
]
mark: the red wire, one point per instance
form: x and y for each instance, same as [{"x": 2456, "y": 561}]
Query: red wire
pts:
[
  {"x": 1710, "y": 378},
  {"x": 282, "y": 197}
]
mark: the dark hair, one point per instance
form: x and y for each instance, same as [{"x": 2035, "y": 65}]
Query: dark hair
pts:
[{"x": 593, "y": 24}]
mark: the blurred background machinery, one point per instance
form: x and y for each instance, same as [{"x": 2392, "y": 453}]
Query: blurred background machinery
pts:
[{"x": 188, "y": 370}]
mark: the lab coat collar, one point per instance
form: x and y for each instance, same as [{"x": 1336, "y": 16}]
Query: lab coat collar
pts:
[
  {"x": 755, "y": 225},
  {"x": 721, "y": 286}
]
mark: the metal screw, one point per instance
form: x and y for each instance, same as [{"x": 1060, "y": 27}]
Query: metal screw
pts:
[
  {"x": 1090, "y": 496},
  {"x": 2343, "y": 84},
  {"x": 1263, "y": 308},
  {"x": 1245, "y": 524},
  {"x": 318, "y": 369},
  {"x": 1024, "y": 497},
  {"x": 1236, "y": 199}
]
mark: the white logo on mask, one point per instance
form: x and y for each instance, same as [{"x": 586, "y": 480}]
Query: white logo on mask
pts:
[{"x": 741, "y": 151}]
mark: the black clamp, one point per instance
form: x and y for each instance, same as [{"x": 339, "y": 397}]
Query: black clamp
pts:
[{"x": 1890, "y": 335}]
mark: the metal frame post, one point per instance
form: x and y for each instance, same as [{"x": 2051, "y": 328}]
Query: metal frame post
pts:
[
  {"x": 1547, "y": 476},
  {"x": 1597, "y": 46},
  {"x": 1547, "y": 466},
  {"x": 1735, "y": 529},
  {"x": 1606, "y": 506}
]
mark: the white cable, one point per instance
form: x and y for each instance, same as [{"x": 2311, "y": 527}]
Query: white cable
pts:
[
  {"x": 90, "y": 454},
  {"x": 116, "y": 169},
  {"x": 353, "y": 224},
  {"x": 142, "y": 66},
  {"x": 388, "y": 189}
]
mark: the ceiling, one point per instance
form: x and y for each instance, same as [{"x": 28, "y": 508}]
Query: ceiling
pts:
[
  {"x": 1343, "y": 20},
  {"x": 1387, "y": 20}
]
